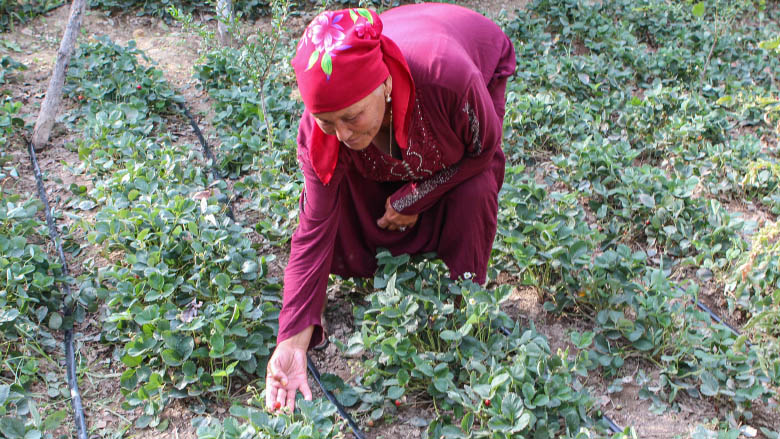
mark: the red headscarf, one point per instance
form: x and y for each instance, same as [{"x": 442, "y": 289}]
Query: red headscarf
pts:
[{"x": 341, "y": 58}]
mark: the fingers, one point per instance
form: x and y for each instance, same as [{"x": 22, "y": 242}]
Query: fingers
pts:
[
  {"x": 389, "y": 221},
  {"x": 306, "y": 391},
  {"x": 281, "y": 397},
  {"x": 383, "y": 223},
  {"x": 290, "y": 403},
  {"x": 277, "y": 375},
  {"x": 271, "y": 389},
  {"x": 276, "y": 381}
]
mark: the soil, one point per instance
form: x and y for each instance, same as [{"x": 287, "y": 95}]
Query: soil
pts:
[{"x": 176, "y": 51}]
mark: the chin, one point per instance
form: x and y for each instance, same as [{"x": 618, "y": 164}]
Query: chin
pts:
[{"x": 357, "y": 146}]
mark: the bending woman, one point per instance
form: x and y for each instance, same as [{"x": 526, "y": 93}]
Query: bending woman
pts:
[{"x": 400, "y": 146}]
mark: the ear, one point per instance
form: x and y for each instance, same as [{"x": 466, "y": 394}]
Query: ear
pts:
[{"x": 388, "y": 86}]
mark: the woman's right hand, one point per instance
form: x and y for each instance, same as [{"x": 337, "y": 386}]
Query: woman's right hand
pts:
[{"x": 286, "y": 373}]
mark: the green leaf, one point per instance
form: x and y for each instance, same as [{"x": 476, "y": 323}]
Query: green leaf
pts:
[
  {"x": 327, "y": 64},
  {"x": 313, "y": 59},
  {"x": 725, "y": 100},
  {"x": 55, "y": 321},
  {"x": 709, "y": 384},
  {"x": 131, "y": 361},
  {"x": 523, "y": 422},
  {"x": 448, "y": 335},
  {"x": 54, "y": 420},
  {"x": 171, "y": 357},
  {"x": 395, "y": 392},
  {"x": 699, "y": 9},
  {"x": 133, "y": 195},
  {"x": 353, "y": 15},
  {"x": 647, "y": 200},
  {"x": 366, "y": 14},
  {"x": 5, "y": 390},
  {"x": 249, "y": 266},
  {"x": 770, "y": 44},
  {"x": 643, "y": 344},
  {"x": 12, "y": 428},
  {"x": 541, "y": 400},
  {"x": 582, "y": 340},
  {"x": 441, "y": 384},
  {"x": 222, "y": 280}
]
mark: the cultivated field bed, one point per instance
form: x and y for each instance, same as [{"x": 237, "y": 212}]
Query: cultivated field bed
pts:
[{"x": 642, "y": 189}]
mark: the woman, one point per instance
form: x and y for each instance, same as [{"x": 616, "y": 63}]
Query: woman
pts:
[{"x": 400, "y": 147}]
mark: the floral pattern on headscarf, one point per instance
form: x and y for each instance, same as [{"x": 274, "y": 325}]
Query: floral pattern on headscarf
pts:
[{"x": 327, "y": 36}]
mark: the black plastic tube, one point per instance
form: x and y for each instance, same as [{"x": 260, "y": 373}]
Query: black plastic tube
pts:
[
  {"x": 611, "y": 424},
  {"x": 70, "y": 362},
  {"x": 208, "y": 153},
  {"x": 716, "y": 318},
  {"x": 332, "y": 398}
]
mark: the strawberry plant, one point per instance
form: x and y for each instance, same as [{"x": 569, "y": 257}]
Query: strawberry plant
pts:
[
  {"x": 30, "y": 311},
  {"x": 256, "y": 120},
  {"x": 617, "y": 207},
  {"x": 186, "y": 300},
  {"x": 312, "y": 420},
  {"x": 421, "y": 343},
  {"x": 13, "y": 12}
]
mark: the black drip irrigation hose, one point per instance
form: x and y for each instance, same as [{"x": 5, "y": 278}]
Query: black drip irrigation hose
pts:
[
  {"x": 70, "y": 366},
  {"x": 312, "y": 368},
  {"x": 332, "y": 398},
  {"x": 208, "y": 153},
  {"x": 610, "y": 423},
  {"x": 719, "y": 320}
]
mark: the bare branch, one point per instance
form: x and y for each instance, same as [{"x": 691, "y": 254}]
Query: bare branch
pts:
[{"x": 51, "y": 102}]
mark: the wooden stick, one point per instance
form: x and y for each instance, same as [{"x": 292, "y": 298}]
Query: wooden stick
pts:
[
  {"x": 224, "y": 16},
  {"x": 51, "y": 102}
]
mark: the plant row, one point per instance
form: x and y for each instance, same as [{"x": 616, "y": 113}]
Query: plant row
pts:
[
  {"x": 31, "y": 296},
  {"x": 630, "y": 109},
  {"x": 188, "y": 306}
]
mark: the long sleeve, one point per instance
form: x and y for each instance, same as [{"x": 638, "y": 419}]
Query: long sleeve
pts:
[
  {"x": 479, "y": 128},
  {"x": 306, "y": 275}
]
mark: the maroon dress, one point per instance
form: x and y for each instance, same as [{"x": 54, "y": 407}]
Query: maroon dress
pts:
[{"x": 450, "y": 172}]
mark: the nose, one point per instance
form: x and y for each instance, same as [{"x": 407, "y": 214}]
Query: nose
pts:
[{"x": 343, "y": 133}]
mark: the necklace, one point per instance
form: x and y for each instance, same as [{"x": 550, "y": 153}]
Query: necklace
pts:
[{"x": 390, "y": 133}]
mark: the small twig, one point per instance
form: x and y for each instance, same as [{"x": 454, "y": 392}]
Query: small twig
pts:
[{"x": 268, "y": 62}]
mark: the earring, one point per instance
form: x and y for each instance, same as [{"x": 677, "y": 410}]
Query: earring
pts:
[{"x": 388, "y": 99}]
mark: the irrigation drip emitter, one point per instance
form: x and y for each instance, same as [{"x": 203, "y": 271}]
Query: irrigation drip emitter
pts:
[{"x": 70, "y": 366}]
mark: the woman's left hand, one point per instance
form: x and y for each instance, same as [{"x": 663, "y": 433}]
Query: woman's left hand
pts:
[{"x": 393, "y": 220}]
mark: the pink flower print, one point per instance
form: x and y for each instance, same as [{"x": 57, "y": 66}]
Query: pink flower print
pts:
[
  {"x": 364, "y": 30},
  {"x": 326, "y": 33}
]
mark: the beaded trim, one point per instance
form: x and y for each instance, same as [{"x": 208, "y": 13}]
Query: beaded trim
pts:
[
  {"x": 474, "y": 125},
  {"x": 422, "y": 158},
  {"x": 424, "y": 188}
]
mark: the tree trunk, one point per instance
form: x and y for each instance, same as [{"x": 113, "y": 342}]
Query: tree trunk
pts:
[
  {"x": 51, "y": 102},
  {"x": 225, "y": 15}
]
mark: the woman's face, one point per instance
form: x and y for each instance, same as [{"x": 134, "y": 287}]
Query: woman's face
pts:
[{"x": 357, "y": 125}]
